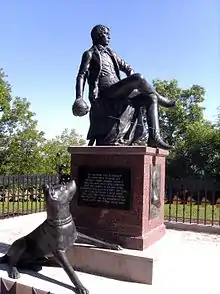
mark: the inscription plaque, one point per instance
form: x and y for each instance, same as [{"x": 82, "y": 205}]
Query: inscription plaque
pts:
[
  {"x": 104, "y": 187},
  {"x": 155, "y": 190}
]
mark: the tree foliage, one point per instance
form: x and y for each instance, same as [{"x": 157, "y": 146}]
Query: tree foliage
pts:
[
  {"x": 59, "y": 145},
  {"x": 199, "y": 154},
  {"x": 175, "y": 121},
  {"x": 19, "y": 135},
  {"x": 217, "y": 123},
  {"x": 195, "y": 140},
  {"x": 23, "y": 148}
]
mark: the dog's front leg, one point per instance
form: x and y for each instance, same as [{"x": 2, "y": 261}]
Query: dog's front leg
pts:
[
  {"x": 98, "y": 243},
  {"x": 64, "y": 262},
  {"x": 14, "y": 254}
]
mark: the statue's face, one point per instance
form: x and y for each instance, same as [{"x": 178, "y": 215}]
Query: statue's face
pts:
[{"x": 104, "y": 37}]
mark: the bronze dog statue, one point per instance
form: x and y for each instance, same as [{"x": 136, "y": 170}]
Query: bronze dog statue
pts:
[{"x": 53, "y": 237}]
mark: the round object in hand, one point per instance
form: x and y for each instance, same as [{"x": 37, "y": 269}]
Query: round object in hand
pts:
[{"x": 80, "y": 108}]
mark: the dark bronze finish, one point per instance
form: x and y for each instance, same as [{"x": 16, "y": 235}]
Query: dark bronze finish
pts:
[
  {"x": 117, "y": 105},
  {"x": 52, "y": 238}
]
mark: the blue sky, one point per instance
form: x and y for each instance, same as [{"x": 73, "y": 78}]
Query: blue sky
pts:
[{"x": 42, "y": 43}]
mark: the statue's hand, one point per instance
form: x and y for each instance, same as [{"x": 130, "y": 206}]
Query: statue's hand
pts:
[{"x": 80, "y": 108}]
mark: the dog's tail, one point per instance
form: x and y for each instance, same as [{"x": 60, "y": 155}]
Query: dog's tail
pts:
[{"x": 4, "y": 259}]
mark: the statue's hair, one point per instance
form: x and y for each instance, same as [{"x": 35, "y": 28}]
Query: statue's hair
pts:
[{"x": 97, "y": 31}]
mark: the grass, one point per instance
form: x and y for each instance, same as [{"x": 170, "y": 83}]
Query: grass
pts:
[
  {"x": 191, "y": 213},
  {"x": 16, "y": 208}
]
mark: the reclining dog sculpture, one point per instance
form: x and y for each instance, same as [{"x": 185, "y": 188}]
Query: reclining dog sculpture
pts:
[{"x": 53, "y": 237}]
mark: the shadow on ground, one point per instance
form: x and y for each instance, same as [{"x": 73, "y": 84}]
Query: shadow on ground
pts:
[{"x": 3, "y": 249}]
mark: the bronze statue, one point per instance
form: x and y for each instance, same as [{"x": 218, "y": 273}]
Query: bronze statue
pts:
[
  {"x": 116, "y": 104},
  {"x": 53, "y": 237}
]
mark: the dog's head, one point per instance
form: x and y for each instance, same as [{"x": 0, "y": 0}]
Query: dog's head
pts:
[
  {"x": 65, "y": 178},
  {"x": 63, "y": 192}
]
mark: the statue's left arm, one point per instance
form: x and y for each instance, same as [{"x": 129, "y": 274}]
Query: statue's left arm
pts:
[{"x": 123, "y": 66}]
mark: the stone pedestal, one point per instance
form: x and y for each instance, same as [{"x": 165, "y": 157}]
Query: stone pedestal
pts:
[{"x": 119, "y": 189}]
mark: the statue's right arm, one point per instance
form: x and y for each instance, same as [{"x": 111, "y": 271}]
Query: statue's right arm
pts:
[{"x": 82, "y": 74}]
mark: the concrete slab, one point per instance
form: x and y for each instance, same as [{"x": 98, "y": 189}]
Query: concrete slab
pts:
[
  {"x": 123, "y": 265},
  {"x": 184, "y": 262}
]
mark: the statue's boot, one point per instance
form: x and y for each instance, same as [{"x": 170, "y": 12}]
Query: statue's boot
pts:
[
  {"x": 155, "y": 139},
  {"x": 149, "y": 90},
  {"x": 163, "y": 101}
]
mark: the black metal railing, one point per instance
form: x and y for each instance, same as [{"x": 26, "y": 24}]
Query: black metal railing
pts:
[
  {"x": 193, "y": 201},
  {"x": 186, "y": 201},
  {"x": 23, "y": 194}
]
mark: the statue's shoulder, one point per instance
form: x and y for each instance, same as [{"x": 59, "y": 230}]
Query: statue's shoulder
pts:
[{"x": 88, "y": 53}]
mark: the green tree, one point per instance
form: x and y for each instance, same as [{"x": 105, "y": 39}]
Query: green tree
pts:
[
  {"x": 198, "y": 154},
  {"x": 217, "y": 123},
  {"x": 195, "y": 140},
  {"x": 5, "y": 91},
  {"x": 174, "y": 121},
  {"x": 58, "y": 145},
  {"x": 5, "y": 99},
  {"x": 23, "y": 148},
  {"x": 19, "y": 136}
]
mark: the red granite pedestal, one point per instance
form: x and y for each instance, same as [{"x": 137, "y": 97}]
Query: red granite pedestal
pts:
[{"x": 133, "y": 228}]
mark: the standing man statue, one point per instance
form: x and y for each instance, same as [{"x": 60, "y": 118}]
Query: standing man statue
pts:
[{"x": 116, "y": 104}]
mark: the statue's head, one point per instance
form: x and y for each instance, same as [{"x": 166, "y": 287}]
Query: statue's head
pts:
[
  {"x": 59, "y": 192},
  {"x": 100, "y": 35}
]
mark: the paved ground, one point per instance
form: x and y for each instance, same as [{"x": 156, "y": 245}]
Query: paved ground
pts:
[{"x": 186, "y": 262}]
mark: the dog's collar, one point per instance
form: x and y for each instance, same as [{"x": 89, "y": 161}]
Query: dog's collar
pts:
[{"x": 60, "y": 222}]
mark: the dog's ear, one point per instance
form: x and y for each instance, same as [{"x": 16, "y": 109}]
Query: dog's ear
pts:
[
  {"x": 71, "y": 186},
  {"x": 46, "y": 187}
]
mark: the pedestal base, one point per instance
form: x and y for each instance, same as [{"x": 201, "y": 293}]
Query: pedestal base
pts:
[
  {"x": 129, "y": 242},
  {"x": 119, "y": 189}
]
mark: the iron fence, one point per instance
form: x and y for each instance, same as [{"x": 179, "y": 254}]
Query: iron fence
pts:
[
  {"x": 193, "y": 201},
  {"x": 23, "y": 194},
  {"x": 186, "y": 201}
]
